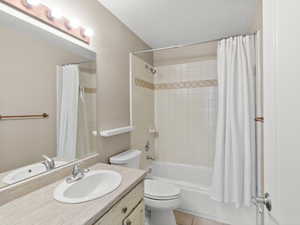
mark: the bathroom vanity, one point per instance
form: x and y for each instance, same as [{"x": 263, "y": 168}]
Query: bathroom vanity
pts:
[
  {"x": 124, "y": 205},
  {"x": 128, "y": 211}
]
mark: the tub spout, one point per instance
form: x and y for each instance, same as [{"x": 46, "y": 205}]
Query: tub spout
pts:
[{"x": 150, "y": 158}]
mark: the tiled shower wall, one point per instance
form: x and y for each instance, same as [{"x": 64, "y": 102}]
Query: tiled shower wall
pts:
[{"x": 185, "y": 112}]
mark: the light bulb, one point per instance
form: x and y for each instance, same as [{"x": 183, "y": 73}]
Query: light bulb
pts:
[
  {"x": 74, "y": 23},
  {"x": 55, "y": 14},
  {"x": 88, "y": 32},
  {"x": 32, "y": 2}
]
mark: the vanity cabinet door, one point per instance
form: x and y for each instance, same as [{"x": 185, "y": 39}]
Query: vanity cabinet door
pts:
[
  {"x": 121, "y": 210},
  {"x": 137, "y": 216}
]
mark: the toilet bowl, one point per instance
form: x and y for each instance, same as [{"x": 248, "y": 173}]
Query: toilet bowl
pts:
[{"x": 160, "y": 198}]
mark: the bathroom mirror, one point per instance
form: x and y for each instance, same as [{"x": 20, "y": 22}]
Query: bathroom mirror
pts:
[{"x": 47, "y": 102}]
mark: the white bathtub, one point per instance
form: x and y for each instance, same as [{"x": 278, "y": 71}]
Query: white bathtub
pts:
[{"x": 194, "y": 182}]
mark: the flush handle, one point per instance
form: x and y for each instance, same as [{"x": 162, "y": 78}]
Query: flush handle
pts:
[{"x": 124, "y": 210}]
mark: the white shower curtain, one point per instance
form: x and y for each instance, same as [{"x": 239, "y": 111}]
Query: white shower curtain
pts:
[
  {"x": 234, "y": 168},
  {"x": 67, "y": 111}
]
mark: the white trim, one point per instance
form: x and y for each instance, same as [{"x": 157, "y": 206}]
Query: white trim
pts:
[
  {"x": 270, "y": 69},
  {"x": 117, "y": 131}
]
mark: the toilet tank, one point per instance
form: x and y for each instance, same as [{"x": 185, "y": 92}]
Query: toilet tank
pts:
[{"x": 130, "y": 158}]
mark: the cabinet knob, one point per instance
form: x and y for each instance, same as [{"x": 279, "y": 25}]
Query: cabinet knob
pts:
[
  {"x": 128, "y": 222},
  {"x": 124, "y": 210}
]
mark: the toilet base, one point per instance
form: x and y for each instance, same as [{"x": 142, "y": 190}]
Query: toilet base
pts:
[{"x": 161, "y": 217}]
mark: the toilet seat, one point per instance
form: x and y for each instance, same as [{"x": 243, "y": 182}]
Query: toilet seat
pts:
[{"x": 159, "y": 190}]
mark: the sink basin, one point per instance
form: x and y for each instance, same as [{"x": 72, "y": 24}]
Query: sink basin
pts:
[
  {"x": 95, "y": 184},
  {"x": 27, "y": 172}
]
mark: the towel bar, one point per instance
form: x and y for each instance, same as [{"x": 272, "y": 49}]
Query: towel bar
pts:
[{"x": 42, "y": 116}]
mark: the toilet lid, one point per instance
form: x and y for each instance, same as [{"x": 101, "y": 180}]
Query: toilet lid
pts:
[
  {"x": 124, "y": 157},
  {"x": 155, "y": 189}
]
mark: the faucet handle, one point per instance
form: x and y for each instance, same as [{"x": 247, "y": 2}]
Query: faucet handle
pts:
[
  {"x": 150, "y": 158},
  {"x": 46, "y": 157},
  {"x": 86, "y": 170},
  {"x": 77, "y": 170},
  {"x": 77, "y": 174},
  {"x": 48, "y": 161},
  {"x": 147, "y": 146}
]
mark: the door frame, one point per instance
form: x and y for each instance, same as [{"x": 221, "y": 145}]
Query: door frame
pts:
[{"x": 270, "y": 59}]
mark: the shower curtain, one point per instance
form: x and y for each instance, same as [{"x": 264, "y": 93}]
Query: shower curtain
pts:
[
  {"x": 234, "y": 168},
  {"x": 67, "y": 111}
]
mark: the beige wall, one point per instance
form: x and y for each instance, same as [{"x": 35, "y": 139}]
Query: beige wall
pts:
[
  {"x": 142, "y": 110},
  {"x": 259, "y": 15},
  {"x": 28, "y": 86},
  {"x": 113, "y": 41},
  {"x": 258, "y": 20}
]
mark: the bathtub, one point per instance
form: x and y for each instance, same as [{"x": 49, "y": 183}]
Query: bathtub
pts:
[{"x": 194, "y": 182}]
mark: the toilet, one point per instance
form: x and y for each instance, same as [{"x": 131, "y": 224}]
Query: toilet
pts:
[{"x": 160, "y": 198}]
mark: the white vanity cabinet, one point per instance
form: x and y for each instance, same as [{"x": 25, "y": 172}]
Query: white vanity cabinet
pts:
[
  {"x": 128, "y": 211},
  {"x": 137, "y": 216}
]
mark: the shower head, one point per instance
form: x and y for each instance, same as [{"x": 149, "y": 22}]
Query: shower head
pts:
[{"x": 152, "y": 69}]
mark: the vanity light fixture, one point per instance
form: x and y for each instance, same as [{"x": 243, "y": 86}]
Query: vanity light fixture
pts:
[
  {"x": 52, "y": 17},
  {"x": 55, "y": 14},
  {"x": 31, "y": 3},
  {"x": 74, "y": 23},
  {"x": 88, "y": 32}
]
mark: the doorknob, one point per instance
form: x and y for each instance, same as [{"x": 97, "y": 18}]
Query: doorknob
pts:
[{"x": 266, "y": 200}]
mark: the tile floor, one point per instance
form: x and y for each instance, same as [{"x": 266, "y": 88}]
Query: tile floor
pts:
[{"x": 187, "y": 219}]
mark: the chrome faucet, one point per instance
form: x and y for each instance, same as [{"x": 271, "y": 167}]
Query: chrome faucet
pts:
[
  {"x": 150, "y": 158},
  {"x": 147, "y": 146},
  {"x": 77, "y": 174},
  {"x": 48, "y": 163}
]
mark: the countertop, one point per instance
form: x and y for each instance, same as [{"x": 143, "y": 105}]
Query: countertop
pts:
[
  {"x": 2, "y": 175},
  {"x": 40, "y": 208}
]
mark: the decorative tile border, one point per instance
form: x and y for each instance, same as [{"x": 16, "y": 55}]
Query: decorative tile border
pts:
[
  {"x": 176, "y": 85},
  {"x": 144, "y": 84},
  {"x": 187, "y": 84}
]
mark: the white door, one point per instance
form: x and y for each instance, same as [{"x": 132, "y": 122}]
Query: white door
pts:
[{"x": 281, "y": 28}]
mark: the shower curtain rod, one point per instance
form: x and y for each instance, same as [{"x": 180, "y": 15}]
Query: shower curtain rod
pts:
[
  {"x": 77, "y": 63},
  {"x": 190, "y": 44}
]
